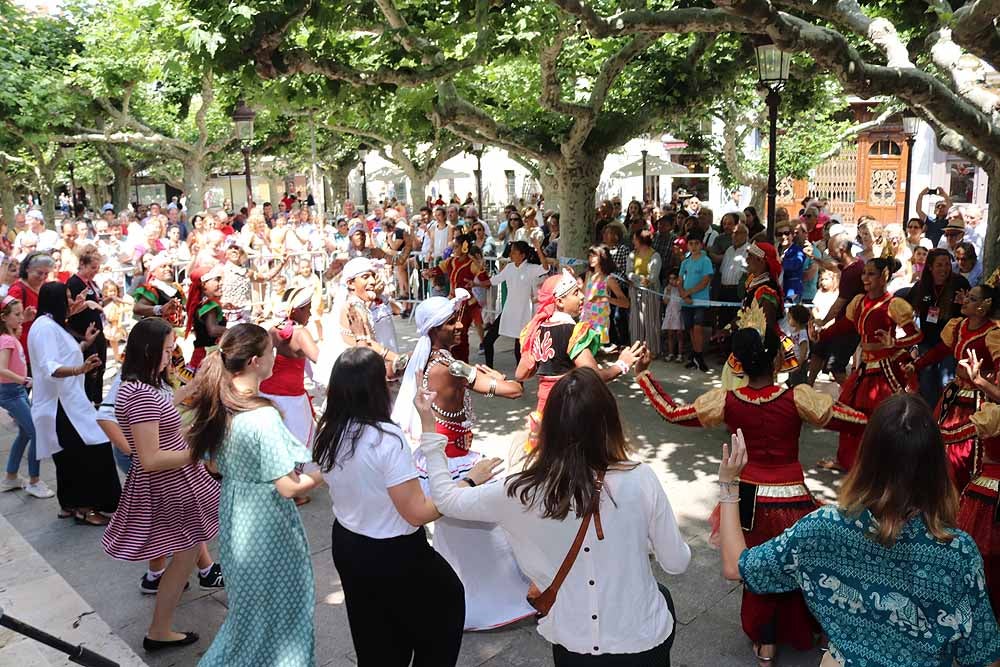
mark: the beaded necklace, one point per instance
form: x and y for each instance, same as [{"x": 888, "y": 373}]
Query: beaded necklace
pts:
[{"x": 445, "y": 358}]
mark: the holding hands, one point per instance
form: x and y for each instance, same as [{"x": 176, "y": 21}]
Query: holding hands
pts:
[{"x": 734, "y": 458}]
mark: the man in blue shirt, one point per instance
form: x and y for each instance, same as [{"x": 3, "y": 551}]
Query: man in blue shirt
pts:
[{"x": 696, "y": 276}]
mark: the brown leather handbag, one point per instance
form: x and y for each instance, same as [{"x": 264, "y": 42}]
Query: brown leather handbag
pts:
[{"x": 543, "y": 601}]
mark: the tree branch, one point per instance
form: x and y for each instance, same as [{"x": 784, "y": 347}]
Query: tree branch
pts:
[
  {"x": 551, "y": 97},
  {"x": 966, "y": 71},
  {"x": 977, "y": 29},
  {"x": 654, "y": 22}
]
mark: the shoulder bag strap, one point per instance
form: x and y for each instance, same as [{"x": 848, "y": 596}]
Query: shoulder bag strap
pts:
[{"x": 567, "y": 564}]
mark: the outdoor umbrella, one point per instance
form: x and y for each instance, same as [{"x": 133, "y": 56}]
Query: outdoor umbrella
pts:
[{"x": 655, "y": 166}]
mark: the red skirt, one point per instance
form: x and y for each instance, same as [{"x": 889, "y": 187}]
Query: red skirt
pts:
[
  {"x": 545, "y": 384},
  {"x": 780, "y": 617},
  {"x": 953, "y": 411},
  {"x": 977, "y": 515},
  {"x": 866, "y": 387}
]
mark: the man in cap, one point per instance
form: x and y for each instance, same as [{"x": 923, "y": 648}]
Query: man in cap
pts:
[
  {"x": 554, "y": 343},
  {"x": 47, "y": 239}
]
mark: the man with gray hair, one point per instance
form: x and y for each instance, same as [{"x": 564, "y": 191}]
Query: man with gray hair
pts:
[
  {"x": 975, "y": 229},
  {"x": 840, "y": 349}
]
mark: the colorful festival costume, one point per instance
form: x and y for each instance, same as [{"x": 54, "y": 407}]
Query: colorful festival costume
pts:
[
  {"x": 463, "y": 272},
  {"x": 597, "y": 307},
  {"x": 286, "y": 389},
  {"x": 961, "y": 399},
  {"x": 773, "y": 493},
  {"x": 880, "y": 373}
]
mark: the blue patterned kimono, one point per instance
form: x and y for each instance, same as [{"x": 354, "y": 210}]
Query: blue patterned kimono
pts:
[{"x": 921, "y": 603}]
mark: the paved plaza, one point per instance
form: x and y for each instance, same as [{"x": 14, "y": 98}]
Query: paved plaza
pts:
[{"x": 53, "y": 573}]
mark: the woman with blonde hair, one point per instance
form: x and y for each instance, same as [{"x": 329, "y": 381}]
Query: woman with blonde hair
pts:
[{"x": 884, "y": 571}]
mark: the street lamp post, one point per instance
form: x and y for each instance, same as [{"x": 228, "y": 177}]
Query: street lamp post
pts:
[
  {"x": 772, "y": 72},
  {"x": 243, "y": 117},
  {"x": 910, "y": 126},
  {"x": 477, "y": 150},
  {"x": 362, "y": 154}
]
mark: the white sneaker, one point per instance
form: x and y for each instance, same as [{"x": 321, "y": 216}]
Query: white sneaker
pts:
[
  {"x": 39, "y": 490},
  {"x": 16, "y": 484}
]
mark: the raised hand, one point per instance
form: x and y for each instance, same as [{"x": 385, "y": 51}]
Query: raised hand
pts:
[
  {"x": 422, "y": 402},
  {"x": 77, "y": 304},
  {"x": 972, "y": 365},
  {"x": 485, "y": 470},
  {"x": 90, "y": 335},
  {"x": 630, "y": 355},
  {"x": 92, "y": 362},
  {"x": 734, "y": 458},
  {"x": 645, "y": 359}
]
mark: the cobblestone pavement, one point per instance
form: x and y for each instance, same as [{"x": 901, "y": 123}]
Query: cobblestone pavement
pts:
[{"x": 686, "y": 460}]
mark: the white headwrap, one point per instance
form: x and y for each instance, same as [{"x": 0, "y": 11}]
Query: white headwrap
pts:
[
  {"x": 333, "y": 343},
  {"x": 433, "y": 312}
]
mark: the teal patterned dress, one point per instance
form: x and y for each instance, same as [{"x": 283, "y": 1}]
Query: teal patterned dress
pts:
[
  {"x": 921, "y": 603},
  {"x": 263, "y": 549}
]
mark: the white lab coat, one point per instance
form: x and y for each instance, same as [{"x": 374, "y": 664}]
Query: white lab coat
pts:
[
  {"x": 51, "y": 347},
  {"x": 518, "y": 309}
]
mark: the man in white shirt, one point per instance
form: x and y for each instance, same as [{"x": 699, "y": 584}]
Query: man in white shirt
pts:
[
  {"x": 47, "y": 239},
  {"x": 975, "y": 228},
  {"x": 438, "y": 236}
]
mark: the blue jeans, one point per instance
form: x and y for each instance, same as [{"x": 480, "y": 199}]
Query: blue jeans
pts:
[
  {"x": 14, "y": 399},
  {"x": 934, "y": 378}
]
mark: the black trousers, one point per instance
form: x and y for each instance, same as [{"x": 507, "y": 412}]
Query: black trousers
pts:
[
  {"x": 658, "y": 656},
  {"x": 86, "y": 475},
  {"x": 404, "y": 602},
  {"x": 619, "y": 332},
  {"x": 93, "y": 382},
  {"x": 490, "y": 338}
]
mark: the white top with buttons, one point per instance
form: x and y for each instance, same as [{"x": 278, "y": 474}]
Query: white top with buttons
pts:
[{"x": 609, "y": 602}]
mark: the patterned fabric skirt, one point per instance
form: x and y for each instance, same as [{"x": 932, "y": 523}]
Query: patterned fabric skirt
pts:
[
  {"x": 781, "y": 618},
  {"x": 953, "y": 410},
  {"x": 495, "y": 587},
  {"x": 864, "y": 390},
  {"x": 978, "y": 516}
]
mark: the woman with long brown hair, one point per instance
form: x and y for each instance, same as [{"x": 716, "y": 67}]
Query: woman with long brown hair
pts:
[
  {"x": 884, "y": 571},
  {"x": 262, "y": 545},
  {"x": 608, "y": 601}
]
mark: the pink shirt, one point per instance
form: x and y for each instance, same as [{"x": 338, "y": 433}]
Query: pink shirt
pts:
[{"x": 16, "y": 363}]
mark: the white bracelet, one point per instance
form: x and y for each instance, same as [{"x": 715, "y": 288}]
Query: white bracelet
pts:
[{"x": 622, "y": 366}]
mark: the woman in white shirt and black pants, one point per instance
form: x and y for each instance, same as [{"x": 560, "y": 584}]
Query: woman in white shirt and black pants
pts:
[
  {"x": 403, "y": 599},
  {"x": 609, "y": 609}
]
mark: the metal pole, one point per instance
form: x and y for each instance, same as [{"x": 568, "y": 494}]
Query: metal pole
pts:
[
  {"x": 773, "y": 98},
  {"x": 319, "y": 196},
  {"x": 72, "y": 185},
  {"x": 135, "y": 180},
  {"x": 231, "y": 202},
  {"x": 910, "y": 139},
  {"x": 644, "y": 151},
  {"x": 364, "y": 186},
  {"x": 246, "y": 169},
  {"x": 479, "y": 184}
]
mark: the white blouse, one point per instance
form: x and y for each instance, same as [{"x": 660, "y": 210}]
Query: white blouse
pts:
[
  {"x": 609, "y": 602},
  {"x": 51, "y": 347},
  {"x": 522, "y": 282}
]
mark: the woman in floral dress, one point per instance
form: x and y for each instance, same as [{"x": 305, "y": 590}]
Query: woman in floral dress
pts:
[
  {"x": 262, "y": 545},
  {"x": 601, "y": 292}
]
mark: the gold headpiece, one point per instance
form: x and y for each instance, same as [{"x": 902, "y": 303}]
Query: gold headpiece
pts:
[
  {"x": 752, "y": 317},
  {"x": 993, "y": 280}
]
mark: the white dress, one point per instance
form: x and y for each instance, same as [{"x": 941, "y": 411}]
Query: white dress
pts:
[
  {"x": 522, "y": 282},
  {"x": 672, "y": 316}
]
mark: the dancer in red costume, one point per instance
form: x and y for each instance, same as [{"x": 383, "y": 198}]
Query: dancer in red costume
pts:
[
  {"x": 463, "y": 273},
  {"x": 772, "y": 490},
  {"x": 875, "y": 315},
  {"x": 204, "y": 313},
  {"x": 554, "y": 343},
  {"x": 495, "y": 589},
  {"x": 160, "y": 296},
  {"x": 979, "y": 508},
  {"x": 975, "y": 331},
  {"x": 763, "y": 289}
]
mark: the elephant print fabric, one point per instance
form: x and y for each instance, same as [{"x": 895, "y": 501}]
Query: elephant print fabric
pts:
[{"x": 874, "y": 601}]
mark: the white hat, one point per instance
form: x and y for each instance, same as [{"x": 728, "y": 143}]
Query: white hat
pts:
[{"x": 35, "y": 214}]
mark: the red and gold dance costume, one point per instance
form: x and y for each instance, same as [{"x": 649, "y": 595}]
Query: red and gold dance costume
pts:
[
  {"x": 979, "y": 509},
  {"x": 160, "y": 296},
  {"x": 881, "y": 371},
  {"x": 961, "y": 399},
  {"x": 463, "y": 272},
  {"x": 457, "y": 425},
  {"x": 773, "y": 492},
  {"x": 761, "y": 290},
  {"x": 555, "y": 347}
]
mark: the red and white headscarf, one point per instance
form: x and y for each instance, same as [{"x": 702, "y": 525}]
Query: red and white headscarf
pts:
[{"x": 554, "y": 287}]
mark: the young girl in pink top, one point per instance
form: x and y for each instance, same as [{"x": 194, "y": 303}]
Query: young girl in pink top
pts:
[{"x": 14, "y": 384}]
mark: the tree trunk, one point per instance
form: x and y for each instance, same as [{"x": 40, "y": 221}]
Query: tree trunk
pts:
[
  {"x": 7, "y": 200},
  {"x": 121, "y": 189},
  {"x": 194, "y": 185},
  {"x": 339, "y": 187},
  {"x": 550, "y": 189},
  {"x": 46, "y": 184},
  {"x": 991, "y": 244},
  {"x": 577, "y": 182},
  {"x": 418, "y": 190},
  {"x": 758, "y": 198}
]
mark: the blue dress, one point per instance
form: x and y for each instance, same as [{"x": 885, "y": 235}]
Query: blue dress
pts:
[
  {"x": 921, "y": 603},
  {"x": 263, "y": 549}
]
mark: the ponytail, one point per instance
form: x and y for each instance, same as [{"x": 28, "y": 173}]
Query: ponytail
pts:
[
  {"x": 890, "y": 264},
  {"x": 755, "y": 354},
  {"x": 214, "y": 398}
]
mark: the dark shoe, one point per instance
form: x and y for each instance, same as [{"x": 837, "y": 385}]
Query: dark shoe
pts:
[
  {"x": 91, "y": 518},
  {"x": 151, "y": 645},
  {"x": 150, "y": 587},
  {"x": 691, "y": 364},
  {"x": 212, "y": 581},
  {"x": 702, "y": 366}
]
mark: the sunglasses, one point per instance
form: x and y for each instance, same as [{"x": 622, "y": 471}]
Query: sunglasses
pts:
[
  {"x": 785, "y": 233},
  {"x": 954, "y": 233}
]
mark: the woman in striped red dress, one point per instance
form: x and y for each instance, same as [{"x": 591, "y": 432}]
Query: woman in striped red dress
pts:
[
  {"x": 772, "y": 489},
  {"x": 170, "y": 504}
]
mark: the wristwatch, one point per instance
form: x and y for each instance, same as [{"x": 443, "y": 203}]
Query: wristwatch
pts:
[{"x": 157, "y": 310}]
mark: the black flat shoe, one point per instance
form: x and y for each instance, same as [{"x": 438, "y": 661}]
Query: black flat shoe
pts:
[{"x": 151, "y": 645}]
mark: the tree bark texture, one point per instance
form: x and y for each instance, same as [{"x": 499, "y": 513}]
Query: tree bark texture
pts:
[
  {"x": 194, "y": 185},
  {"x": 121, "y": 189},
  {"x": 577, "y": 183}
]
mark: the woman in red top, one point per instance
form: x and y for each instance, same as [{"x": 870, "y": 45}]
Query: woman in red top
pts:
[
  {"x": 204, "y": 313},
  {"x": 34, "y": 272},
  {"x": 875, "y": 315},
  {"x": 976, "y": 331},
  {"x": 293, "y": 345},
  {"x": 772, "y": 490}
]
